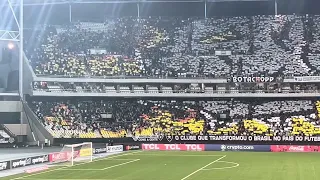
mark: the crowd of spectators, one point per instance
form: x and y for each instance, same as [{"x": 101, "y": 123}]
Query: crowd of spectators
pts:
[
  {"x": 282, "y": 45},
  {"x": 278, "y": 46},
  {"x": 126, "y": 118}
]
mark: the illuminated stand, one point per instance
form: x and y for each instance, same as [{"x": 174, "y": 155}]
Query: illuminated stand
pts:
[{"x": 16, "y": 36}]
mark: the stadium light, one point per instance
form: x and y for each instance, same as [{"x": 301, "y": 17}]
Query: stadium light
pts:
[{"x": 10, "y": 45}]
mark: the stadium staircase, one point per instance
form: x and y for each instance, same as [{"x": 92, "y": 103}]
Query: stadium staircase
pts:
[
  {"x": 6, "y": 135},
  {"x": 39, "y": 133},
  {"x": 6, "y": 131}
]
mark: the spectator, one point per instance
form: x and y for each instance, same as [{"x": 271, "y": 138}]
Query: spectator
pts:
[
  {"x": 283, "y": 45},
  {"x": 84, "y": 119}
]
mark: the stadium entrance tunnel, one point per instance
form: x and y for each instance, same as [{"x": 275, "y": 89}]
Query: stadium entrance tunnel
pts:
[{"x": 219, "y": 165}]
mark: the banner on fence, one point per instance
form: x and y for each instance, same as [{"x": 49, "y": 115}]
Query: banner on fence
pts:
[
  {"x": 174, "y": 147},
  {"x": 59, "y": 156},
  {"x": 85, "y": 152},
  {"x": 118, "y": 148},
  {"x": 4, "y": 165},
  {"x": 29, "y": 161},
  {"x": 233, "y": 147},
  {"x": 99, "y": 150},
  {"x": 62, "y": 156},
  {"x": 132, "y": 147},
  {"x": 147, "y": 138},
  {"x": 98, "y": 51},
  {"x": 227, "y": 138},
  {"x": 293, "y": 148}
]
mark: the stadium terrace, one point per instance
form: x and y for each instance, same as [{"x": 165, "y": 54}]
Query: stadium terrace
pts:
[{"x": 130, "y": 89}]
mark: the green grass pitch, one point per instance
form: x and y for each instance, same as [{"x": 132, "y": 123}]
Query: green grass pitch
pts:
[{"x": 152, "y": 165}]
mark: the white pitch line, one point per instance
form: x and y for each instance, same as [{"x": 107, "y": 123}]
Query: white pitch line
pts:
[
  {"x": 79, "y": 170},
  {"x": 121, "y": 159},
  {"x": 43, "y": 172},
  {"x": 194, "y": 172},
  {"x": 181, "y": 155},
  {"x": 121, "y": 164},
  {"x": 67, "y": 179},
  {"x": 227, "y": 167},
  {"x": 71, "y": 169}
]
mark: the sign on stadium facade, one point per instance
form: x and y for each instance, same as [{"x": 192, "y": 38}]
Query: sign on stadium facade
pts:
[
  {"x": 147, "y": 138},
  {"x": 252, "y": 79},
  {"x": 307, "y": 79},
  {"x": 223, "y": 53}
]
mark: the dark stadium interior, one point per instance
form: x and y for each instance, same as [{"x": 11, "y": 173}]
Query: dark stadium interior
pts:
[{"x": 94, "y": 12}]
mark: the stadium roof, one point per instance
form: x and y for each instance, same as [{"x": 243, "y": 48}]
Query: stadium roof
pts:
[{"x": 47, "y": 2}]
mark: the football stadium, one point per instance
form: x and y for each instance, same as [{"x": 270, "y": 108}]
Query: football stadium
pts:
[{"x": 159, "y": 90}]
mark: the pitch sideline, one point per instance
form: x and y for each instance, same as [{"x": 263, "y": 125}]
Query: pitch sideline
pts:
[
  {"x": 226, "y": 167},
  {"x": 110, "y": 157},
  {"x": 68, "y": 179},
  {"x": 180, "y": 155},
  {"x": 109, "y": 167},
  {"x": 194, "y": 172}
]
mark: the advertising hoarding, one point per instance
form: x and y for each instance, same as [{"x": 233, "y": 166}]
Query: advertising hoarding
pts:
[
  {"x": 132, "y": 147},
  {"x": 118, "y": 148},
  {"x": 294, "y": 148},
  {"x": 236, "y": 147},
  {"x": 29, "y": 161},
  {"x": 4, "y": 165},
  {"x": 174, "y": 147}
]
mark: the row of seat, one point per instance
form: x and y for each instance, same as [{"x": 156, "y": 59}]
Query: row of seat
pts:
[
  {"x": 282, "y": 45},
  {"x": 119, "y": 118}
]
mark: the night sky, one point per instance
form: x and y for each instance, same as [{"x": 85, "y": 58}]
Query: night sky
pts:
[{"x": 59, "y": 14}]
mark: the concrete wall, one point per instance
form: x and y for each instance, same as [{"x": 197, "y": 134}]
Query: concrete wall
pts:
[
  {"x": 17, "y": 129},
  {"x": 10, "y": 106}
]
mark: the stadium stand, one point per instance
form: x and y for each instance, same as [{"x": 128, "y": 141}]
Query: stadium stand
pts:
[
  {"x": 157, "y": 47},
  {"x": 181, "y": 88},
  {"x": 89, "y": 119},
  {"x": 282, "y": 45}
]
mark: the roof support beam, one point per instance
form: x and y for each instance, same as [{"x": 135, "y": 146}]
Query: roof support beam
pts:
[
  {"x": 9, "y": 35},
  {"x": 6, "y": 35}
]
